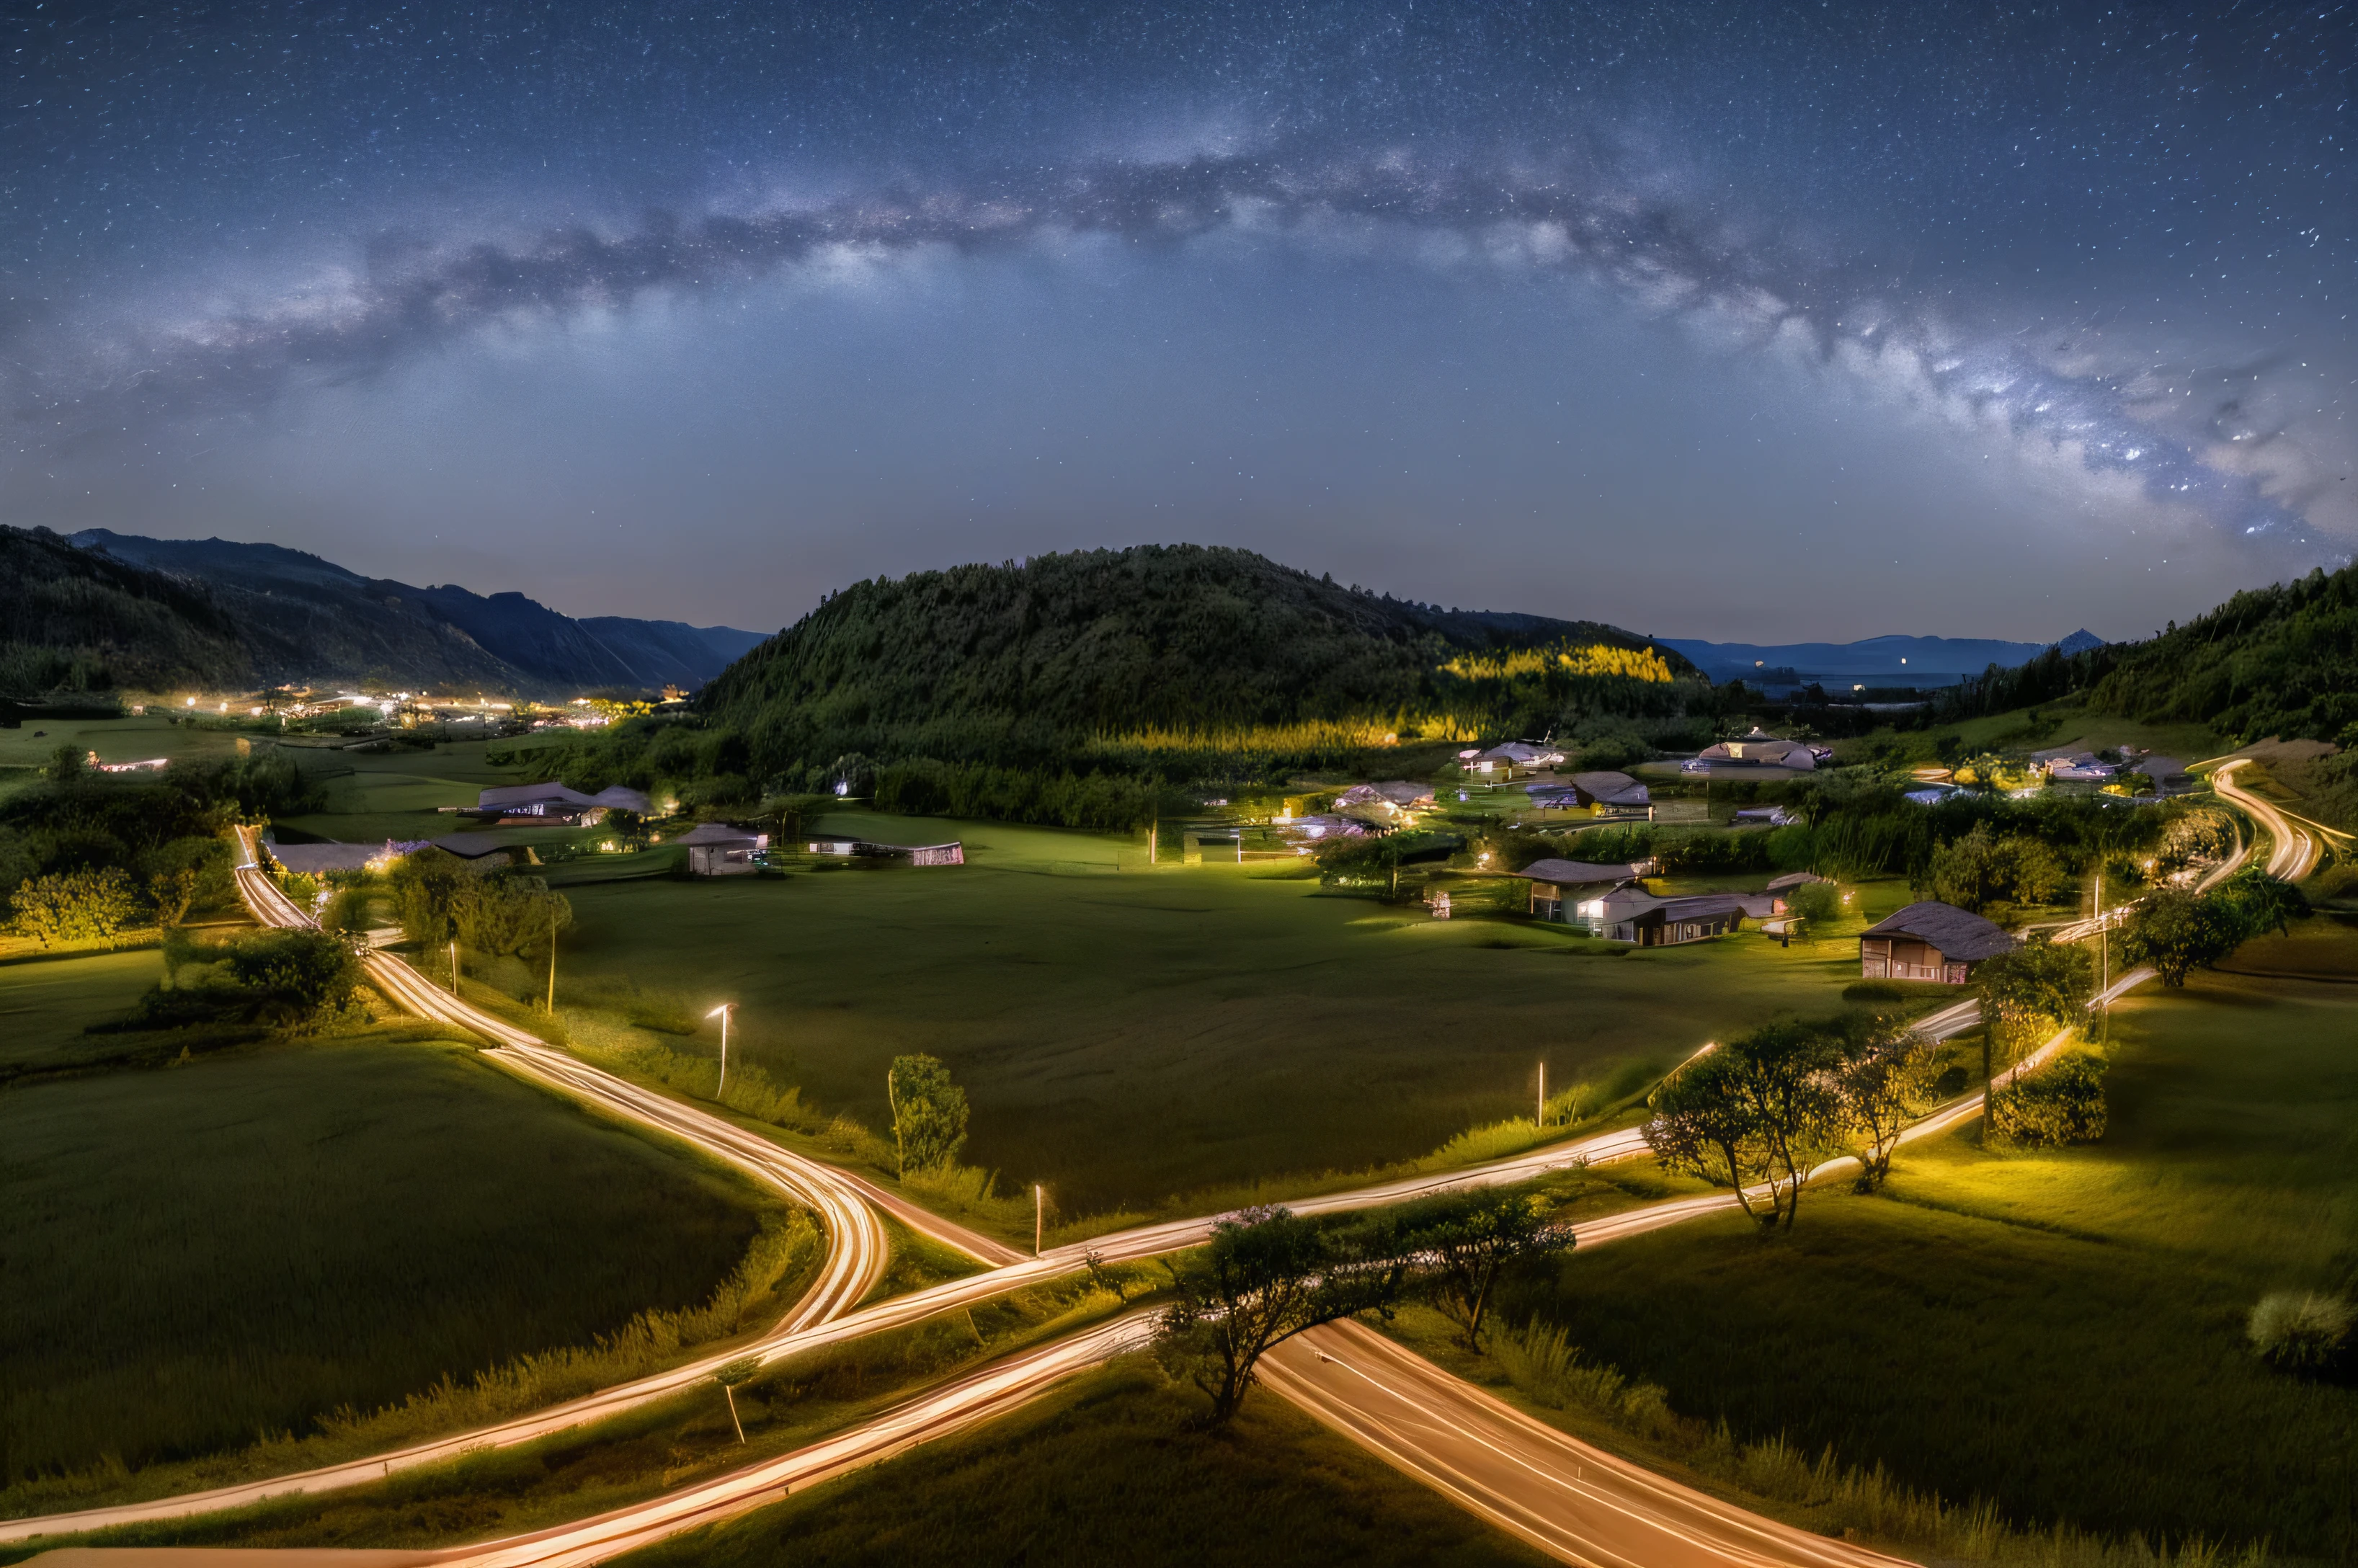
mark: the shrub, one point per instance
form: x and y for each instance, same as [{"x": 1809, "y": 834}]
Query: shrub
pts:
[
  {"x": 74, "y": 906},
  {"x": 1874, "y": 990},
  {"x": 2064, "y": 1103},
  {"x": 306, "y": 977},
  {"x": 2301, "y": 1331}
]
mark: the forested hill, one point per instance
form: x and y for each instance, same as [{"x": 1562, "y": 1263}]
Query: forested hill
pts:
[
  {"x": 1161, "y": 643},
  {"x": 72, "y": 620},
  {"x": 2281, "y": 660}
]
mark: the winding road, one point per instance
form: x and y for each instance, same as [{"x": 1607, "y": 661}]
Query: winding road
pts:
[{"x": 1497, "y": 1463}]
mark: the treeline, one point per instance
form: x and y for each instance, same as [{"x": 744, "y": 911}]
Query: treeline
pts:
[
  {"x": 2281, "y": 660},
  {"x": 84, "y": 853},
  {"x": 1974, "y": 850}
]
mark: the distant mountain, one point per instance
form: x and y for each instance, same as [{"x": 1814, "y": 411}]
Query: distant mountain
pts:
[
  {"x": 301, "y": 617},
  {"x": 1876, "y": 661},
  {"x": 1156, "y": 646}
]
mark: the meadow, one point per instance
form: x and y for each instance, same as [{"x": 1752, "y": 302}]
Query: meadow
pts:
[
  {"x": 209, "y": 1254},
  {"x": 47, "y": 1003},
  {"x": 2061, "y": 1332},
  {"x": 1124, "y": 1035}
]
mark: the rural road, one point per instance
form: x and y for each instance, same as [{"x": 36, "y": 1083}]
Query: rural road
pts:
[
  {"x": 2293, "y": 850},
  {"x": 1570, "y": 1499},
  {"x": 1357, "y": 1407}
]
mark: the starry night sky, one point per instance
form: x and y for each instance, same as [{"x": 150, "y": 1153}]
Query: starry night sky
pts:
[{"x": 1760, "y": 321}]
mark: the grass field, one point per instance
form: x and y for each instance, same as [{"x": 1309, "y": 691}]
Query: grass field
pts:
[
  {"x": 201, "y": 1255},
  {"x": 2061, "y": 1332},
  {"x": 1127, "y": 1036},
  {"x": 46, "y": 1004},
  {"x": 1110, "y": 1471},
  {"x": 133, "y": 738}
]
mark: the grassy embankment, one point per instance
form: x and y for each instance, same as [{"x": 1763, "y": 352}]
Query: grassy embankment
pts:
[
  {"x": 653, "y": 1449},
  {"x": 240, "y": 1247},
  {"x": 1111, "y": 1470},
  {"x": 2058, "y": 1332}
]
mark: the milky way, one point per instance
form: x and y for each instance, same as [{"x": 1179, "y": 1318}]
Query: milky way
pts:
[{"x": 2009, "y": 225}]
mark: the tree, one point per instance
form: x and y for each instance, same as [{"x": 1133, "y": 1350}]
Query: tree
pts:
[
  {"x": 2177, "y": 931},
  {"x": 2061, "y": 1103},
  {"x": 1459, "y": 1243},
  {"x": 929, "y": 1113},
  {"x": 1969, "y": 871},
  {"x": 70, "y": 906},
  {"x": 1759, "y": 1111},
  {"x": 1885, "y": 1081},
  {"x": 1267, "y": 1275},
  {"x": 68, "y": 764},
  {"x": 2026, "y": 996},
  {"x": 173, "y": 893},
  {"x": 2256, "y": 903},
  {"x": 1816, "y": 903}
]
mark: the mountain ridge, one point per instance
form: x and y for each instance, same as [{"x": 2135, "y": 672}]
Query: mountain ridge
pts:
[{"x": 304, "y": 617}]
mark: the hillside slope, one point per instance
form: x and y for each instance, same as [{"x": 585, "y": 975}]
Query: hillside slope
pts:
[
  {"x": 2281, "y": 660},
  {"x": 1157, "y": 644},
  {"x": 72, "y": 620},
  {"x": 304, "y": 618}
]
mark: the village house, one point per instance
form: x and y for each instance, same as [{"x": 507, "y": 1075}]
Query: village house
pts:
[
  {"x": 1756, "y": 749},
  {"x": 1557, "y": 885},
  {"x": 1396, "y": 796},
  {"x": 1930, "y": 940},
  {"x": 717, "y": 850},
  {"x": 552, "y": 804},
  {"x": 1502, "y": 760},
  {"x": 1630, "y": 914}
]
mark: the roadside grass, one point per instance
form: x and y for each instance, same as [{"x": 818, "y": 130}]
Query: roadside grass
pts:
[
  {"x": 1124, "y": 1038},
  {"x": 661, "y": 1446},
  {"x": 1112, "y": 1469},
  {"x": 2058, "y": 1333},
  {"x": 239, "y": 1249},
  {"x": 46, "y": 1004}
]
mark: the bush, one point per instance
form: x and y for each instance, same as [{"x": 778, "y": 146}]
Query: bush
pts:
[
  {"x": 303, "y": 978},
  {"x": 70, "y": 906},
  {"x": 1874, "y": 990},
  {"x": 1817, "y": 903},
  {"x": 2301, "y": 1331},
  {"x": 2064, "y": 1103}
]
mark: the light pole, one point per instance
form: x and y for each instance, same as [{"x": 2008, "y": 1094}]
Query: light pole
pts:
[
  {"x": 722, "y": 1012},
  {"x": 454, "y": 966},
  {"x": 1039, "y": 1215},
  {"x": 1541, "y": 1119},
  {"x": 552, "y": 960}
]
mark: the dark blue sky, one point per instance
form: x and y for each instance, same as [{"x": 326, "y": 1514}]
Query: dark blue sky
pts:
[{"x": 1758, "y": 322}]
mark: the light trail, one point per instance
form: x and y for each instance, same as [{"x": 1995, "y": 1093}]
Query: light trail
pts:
[
  {"x": 1570, "y": 1499},
  {"x": 1643, "y": 1502},
  {"x": 2293, "y": 852}
]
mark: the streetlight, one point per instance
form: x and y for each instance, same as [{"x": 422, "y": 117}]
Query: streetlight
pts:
[{"x": 722, "y": 1012}]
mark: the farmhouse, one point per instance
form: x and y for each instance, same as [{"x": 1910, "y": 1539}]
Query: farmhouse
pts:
[
  {"x": 550, "y": 803},
  {"x": 1507, "y": 756},
  {"x": 1756, "y": 749},
  {"x": 1930, "y": 940},
  {"x": 1398, "y": 795},
  {"x": 1611, "y": 791},
  {"x": 1630, "y": 914},
  {"x": 1557, "y": 885},
  {"x": 717, "y": 850}
]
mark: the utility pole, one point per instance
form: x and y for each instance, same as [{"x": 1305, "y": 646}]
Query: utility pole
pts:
[
  {"x": 552, "y": 960},
  {"x": 1541, "y": 1119},
  {"x": 2103, "y": 956},
  {"x": 454, "y": 966},
  {"x": 1039, "y": 1215}
]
